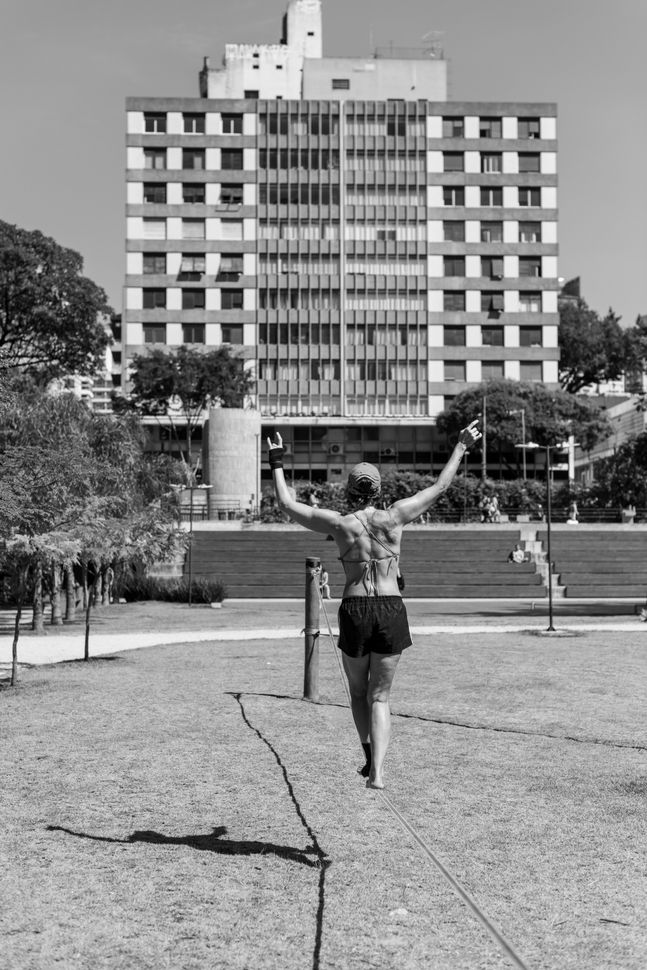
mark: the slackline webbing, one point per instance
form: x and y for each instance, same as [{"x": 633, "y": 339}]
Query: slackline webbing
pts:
[{"x": 460, "y": 891}]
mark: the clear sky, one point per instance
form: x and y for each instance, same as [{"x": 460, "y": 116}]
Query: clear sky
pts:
[{"x": 66, "y": 67}]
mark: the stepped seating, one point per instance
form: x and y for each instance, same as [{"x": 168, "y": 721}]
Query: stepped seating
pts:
[
  {"x": 436, "y": 563},
  {"x": 604, "y": 564}
]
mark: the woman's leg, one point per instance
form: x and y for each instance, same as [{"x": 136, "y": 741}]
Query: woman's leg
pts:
[
  {"x": 357, "y": 673},
  {"x": 382, "y": 671}
]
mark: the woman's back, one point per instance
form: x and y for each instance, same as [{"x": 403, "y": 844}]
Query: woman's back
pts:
[{"x": 369, "y": 549}]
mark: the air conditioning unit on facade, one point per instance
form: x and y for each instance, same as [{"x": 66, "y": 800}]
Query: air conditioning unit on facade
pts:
[
  {"x": 387, "y": 453},
  {"x": 335, "y": 449}
]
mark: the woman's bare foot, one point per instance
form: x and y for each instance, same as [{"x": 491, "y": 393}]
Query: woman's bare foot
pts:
[{"x": 375, "y": 781}]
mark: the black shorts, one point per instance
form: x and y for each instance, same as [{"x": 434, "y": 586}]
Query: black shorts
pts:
[{"x": 375, "y": 624}]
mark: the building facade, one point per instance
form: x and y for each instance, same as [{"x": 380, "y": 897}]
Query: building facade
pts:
[{"x": 369, "y": 247}]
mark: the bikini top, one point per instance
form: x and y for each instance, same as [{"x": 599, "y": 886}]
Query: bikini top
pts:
[{"x": 370, "y": 571}]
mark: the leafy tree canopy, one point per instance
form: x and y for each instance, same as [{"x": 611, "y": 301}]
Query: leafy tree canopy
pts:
[
  {"x": 184, "y": 383},
  {"x": 550, "y": 416},
  {"x": 621, "y": 479},
  {"x": 48, "y": 309},
  {"x": 592, "y": 349}
]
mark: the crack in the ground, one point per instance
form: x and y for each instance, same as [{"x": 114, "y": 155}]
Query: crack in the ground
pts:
[{"x": 322, "y": 858}]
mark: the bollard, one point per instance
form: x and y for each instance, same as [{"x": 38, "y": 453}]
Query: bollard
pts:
[{"x": 311, "y": 630}]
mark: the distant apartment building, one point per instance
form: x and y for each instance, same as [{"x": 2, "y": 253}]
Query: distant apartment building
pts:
[{"x": 370, "y": 247}]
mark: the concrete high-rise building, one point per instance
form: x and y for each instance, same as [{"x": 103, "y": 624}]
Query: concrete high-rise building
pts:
[{"x": 370, "y": 247}]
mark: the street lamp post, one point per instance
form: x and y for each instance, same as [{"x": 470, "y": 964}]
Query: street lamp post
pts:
[{"x": 191, "y": 489}]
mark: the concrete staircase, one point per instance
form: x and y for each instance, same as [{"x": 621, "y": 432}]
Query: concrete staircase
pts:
[
  {"x": 452, "y": 562},
  {"x": 604, "y": 562}
]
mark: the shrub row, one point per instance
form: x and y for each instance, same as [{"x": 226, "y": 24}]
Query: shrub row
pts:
[{"x": 133, "y": 588}]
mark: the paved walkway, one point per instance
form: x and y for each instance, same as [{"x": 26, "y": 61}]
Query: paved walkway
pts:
[{"x": 135, "y": 626}]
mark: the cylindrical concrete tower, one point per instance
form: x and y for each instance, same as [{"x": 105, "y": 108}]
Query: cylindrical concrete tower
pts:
[{"x": 232, "y": 457}]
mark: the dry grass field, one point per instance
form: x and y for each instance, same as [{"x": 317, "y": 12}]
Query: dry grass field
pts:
[{"x": 181, "y": 807}]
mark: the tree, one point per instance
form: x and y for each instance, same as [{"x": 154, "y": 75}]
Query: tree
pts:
[
  {"x": 550, "y": 416},
  {"x": 184, "y": 383},
  {"x": 592, "y": 350},
  {"x": 48, "y": 310},
  {"x": 621, "y": 479}
]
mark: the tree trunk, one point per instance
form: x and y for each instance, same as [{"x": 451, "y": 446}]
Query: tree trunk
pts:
[
  {"x": 88, "y": 610},
  {"x": 57, "y": 578},
  {"x": 70, "y": 594},
  {"x": 84, "y": 584},
  {"x": 16, "y": 635},
  {"x": 37, "y": 623}
]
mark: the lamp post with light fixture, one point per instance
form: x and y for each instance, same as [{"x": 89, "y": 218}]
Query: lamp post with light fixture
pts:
[{"x": 191, "y": 489}]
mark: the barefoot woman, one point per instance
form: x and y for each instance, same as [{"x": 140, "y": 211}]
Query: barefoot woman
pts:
[{"x": 373, "y": 627}]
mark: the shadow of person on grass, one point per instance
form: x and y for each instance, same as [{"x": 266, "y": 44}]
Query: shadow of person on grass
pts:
[{"x": 213, "y": 841}]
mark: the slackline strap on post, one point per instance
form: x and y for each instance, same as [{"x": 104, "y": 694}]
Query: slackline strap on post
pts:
[
  {"x": 311, "y": 630},
  {"x": 471, "y": 904}
]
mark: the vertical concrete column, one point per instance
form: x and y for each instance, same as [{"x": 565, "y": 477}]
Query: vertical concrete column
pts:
[{"x": 232, "y": 459}]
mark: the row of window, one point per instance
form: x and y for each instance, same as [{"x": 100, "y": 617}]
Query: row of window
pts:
[
  {"x": 193, "y": 193},
  {"x": 492, "y": 370},
  {"x": 492, "y": 127},
  {"x": 492, "y": 266},
  {"x": 231, "y": 229},
  {"x": 193, "y": 123},
  {"x": 192, "y": 333},
  {"x": 330, "y": 266},
  {"x": 194, "y": 298},
  {"x": 492, "y": 162},
  {"x": 231, "y": 159},
  {"x": 527, "y": 196},
  {"x": 307, "y": 159},
  {"x": 230, "y": 266},
  {"x": 303, "y": 193},
  {"x": 492, "y": 336}
]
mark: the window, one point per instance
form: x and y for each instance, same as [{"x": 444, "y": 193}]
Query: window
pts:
[
  {"x": 454, "y": 266},
  {"x": 491, "y": 232},
  {"x": 453, "y": 195},
  {"x": 155, "y": 192},
  {"x": 193, "y": 266},
  {"x": 454, "y": 231},
  {"x": 396, "y": 125},
  {"x": 154, "y": 228},
  {"x": 154, "y": 158},
  {"x": 453, "y": 127},
  {"x": 341, "y": 84},
  {"x": 530, "y": 232},
  {"x": 193, "y": 158},
  {"x": 492, "y": 302},
  {"x": 154, "y": 299},
  {"x": 231, "y": 159},
  {"x": 154, "y": 333},
  {"x": 383, "y": 234},
  {"x": 231, "y": 194},
  {"x": 491, "y": 162},
  {"x": 454, "y": 370},
  {"x": 529, "y": 197},
  {"x": 154, "y": 123},
  {"x": 231, "y": 267},
  {"x": 530, "y": 337},
  {"x": 530, "y": 302},
  {"x": 232, "y": 333},
  {"x": 232, "y": 124},
  {"x": 529, "y": 162},
  {"x": 531, "y": 371},
  {"x": 193, "y": 229},
  {"x": 453, "y": 162},
  {"x": 492, "y": 336},
  {"x": 193, "y": 192},
  {"x": 250, "y": 95},
  {"x": 492, "y": 267},
  {"x": 528, "y": 128},
  {"x": 491, "y": 195},
  {"x": 193, "y": 299},
  {"x": 154, "y": 263},
  {"x": 454, "y": 336},
  {"x": 489, "y": 128},
  {"x": 193, "y": 124},
  {"x": 231, "y": 228},
  {"x": 231, "y": 299},
  {"x": 454, "y": 300},
  {"x": 530, "y": 266},
  {"x": 491, "y": 370},
  {"x": 193, "y": 333}
]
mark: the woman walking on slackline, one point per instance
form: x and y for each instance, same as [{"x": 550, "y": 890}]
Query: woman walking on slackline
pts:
[{"x": 373, "y": 626}]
